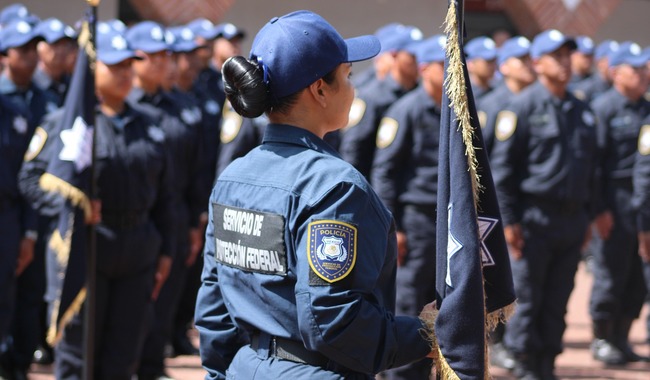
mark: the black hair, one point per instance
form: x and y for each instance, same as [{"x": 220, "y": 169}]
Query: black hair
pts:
[{"x": 249, "y": 95}]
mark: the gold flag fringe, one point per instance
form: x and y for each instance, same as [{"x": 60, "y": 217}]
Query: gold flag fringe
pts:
[
  {"x": 54, "y": 332},
  {"x": 78, "y": 198}
]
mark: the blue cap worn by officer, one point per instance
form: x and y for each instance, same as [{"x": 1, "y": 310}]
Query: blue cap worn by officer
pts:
[
  {"x": 605, "y": 48},
  {"x": 335, "y": 322},
  {"x": 229, "y": 31},
  {"x": 628, "y": 53},
  {"x": 585, "y": 45},
  {"x": 481, "y": 55},
  {"x": 147, "y": 36},
  {"x": 550, "y": 41},
  {"x": 53, "y": 30},
  {"x": 517, "y": 47},
  {"x": 481, "y": 47},
  {"x": 16, "y": 34},
  {"x": 184, "y": 40},
  {"x": 15, "y": 12},
  {"x": 431, "y": 49},
  {"x": 204, "y": 28}
]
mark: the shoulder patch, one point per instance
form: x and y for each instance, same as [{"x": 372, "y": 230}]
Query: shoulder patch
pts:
[
  {"x": 506, "y": 125},
  {"x": 156, "y": 133},
  {"x": 386, "y": 132},
  {"x": 36, "y": 144},
  {"x": 482, "y": 118},
  {"x": 357, "y": 110},
  {"x": 589, "y": 118},
  {"x": 644, "y": 140},
  {"x": 331, "y": 249},
  {"x": 230, "y": 124}
]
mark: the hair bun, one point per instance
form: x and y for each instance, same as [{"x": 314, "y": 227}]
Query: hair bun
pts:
[{"x": 244, "y": 86}]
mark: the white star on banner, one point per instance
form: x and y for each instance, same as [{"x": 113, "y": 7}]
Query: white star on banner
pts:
[
  {"x": 453, "y": 245},
  {"x": 485, "y": 227},
  {"x": 77, "y": 144}
]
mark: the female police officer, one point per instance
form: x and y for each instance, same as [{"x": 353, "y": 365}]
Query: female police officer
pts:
[{"x": 300, "y": 256}]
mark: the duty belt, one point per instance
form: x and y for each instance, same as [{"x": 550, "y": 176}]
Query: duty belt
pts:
[{"x": 288, "y": 349}]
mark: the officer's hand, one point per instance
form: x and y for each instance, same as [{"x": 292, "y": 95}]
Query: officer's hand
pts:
[
  {"x": 196, "y": 242},
  {"x": 515, "y": 240},
  {"x": 162, "y": 272},
  {"x": 402, "y": 248},
  {"x": 644, "y": 246},
  {"x": 95, "y": 212},
  {"x": 604, "y": 223},
  {"x": 25, "y": 255}
]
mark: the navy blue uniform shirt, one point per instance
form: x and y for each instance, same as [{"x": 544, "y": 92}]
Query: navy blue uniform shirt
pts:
[
  {"x": 405, "y": 168},
  {"x": 284, "y": 218},
  {"x": 545, "y": 147},
  {"x": 589, "y": 88}
]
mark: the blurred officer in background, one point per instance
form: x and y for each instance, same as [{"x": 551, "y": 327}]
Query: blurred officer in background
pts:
[
  {"x": 589, "y": 88},
  {"x": 619, "y": 291},
  {"x": 544, "y": 163},
  {"x": 358, "y": 138},
  {"x": 58, "y": 48},
  {"x": 582, "y": 60},
  {"x": 15, "y": 12},
  {"x": 18, "y": 224},
  {"x": 327, "y": 314},
  {"x": 481, "y": 55},
  {"x": 181, "y": 126},
  {"x": 405, "y": 176},
  {"x": 516, "y": 67},
  {"x": 136, "y": 235},
  {"x": 19, "y": 41}
]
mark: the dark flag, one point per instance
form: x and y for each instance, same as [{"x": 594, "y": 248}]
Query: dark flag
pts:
[
  {"x": 474, "y": 280},
  {"x": 69, "y": 174}
]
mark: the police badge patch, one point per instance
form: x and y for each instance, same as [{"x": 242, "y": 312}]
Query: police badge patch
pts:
[
  {"x": 644, "y": 140},
  {"x": 482, "y": 118},
  {"x": 505, "y": 125},
  {"x": 230, "y": 125},
  {"x": 386, "y": 132},
  {"x": 331, "y": 249},
  {"x": 36, "y": 144}
]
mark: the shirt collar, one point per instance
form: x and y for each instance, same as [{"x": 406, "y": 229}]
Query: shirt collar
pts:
[
  {"x": 287, "y": 134},
  {"x": 7, "y": 86}
]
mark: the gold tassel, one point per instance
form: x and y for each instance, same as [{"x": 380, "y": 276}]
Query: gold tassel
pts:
[
  {"x": 55, "y": 333},
  {"x": 78, "y": 198}
]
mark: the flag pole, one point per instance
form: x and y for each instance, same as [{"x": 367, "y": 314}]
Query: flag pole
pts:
[{"x": 91, "y": 262}]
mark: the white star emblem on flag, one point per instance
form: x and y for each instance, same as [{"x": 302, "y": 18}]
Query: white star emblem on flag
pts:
[
  {"x": 485, "y": 227},
  {"x": 453, "y": 246},
  {"x": 77, "y": 144}
]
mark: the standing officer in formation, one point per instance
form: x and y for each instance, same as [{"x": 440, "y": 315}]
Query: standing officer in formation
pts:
[
  {"x": 618, "y": 291},
  {"x": 372, "y": 101},
  {"x": 543, "y": 163},
  {"x": 405, "y": 176},
  {"x": 481, "y": 64},
  {"x": 181, "y": 126},
  {"x": 17, "y": 222},
  {"x": 136, "y": 233},
  {"x": 318, "y": 289},
  {"x": 601, "y": 80},
  {"x": 582, "y": 60},
  {"x": 516, "y": 68}
]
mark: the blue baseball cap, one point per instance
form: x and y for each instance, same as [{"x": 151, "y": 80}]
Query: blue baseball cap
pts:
[
  {"x": 113, "y": 48},
  {"x": 400, "y": 38},
  {"x": 481, "y": 47},
  {"x": 202, "y": 27},
  {"x": 15, "y": 12},
  {"x": 53, "y": 30},
  {"x": 299, "y": 48},
  {"x": 16, "y": 34},
  {"x": 147, "y": 36},
  {"x": 605, "y": 48},
  {"x": 230, "y": 31},
  {"x": 585, "y": 45},
  {"x": 513, "y": 47},
  {"x": 432, "y": 49},
  {"x": 549, "y": 41},
  {"x": 629, "y": 53},
  {"x": 184, "y": 39}
]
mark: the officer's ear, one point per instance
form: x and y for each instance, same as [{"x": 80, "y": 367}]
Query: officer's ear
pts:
[{"x": 318, "y": 91}]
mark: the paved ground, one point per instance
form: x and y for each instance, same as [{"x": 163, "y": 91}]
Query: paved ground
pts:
[{"x": 574, "y": 363}]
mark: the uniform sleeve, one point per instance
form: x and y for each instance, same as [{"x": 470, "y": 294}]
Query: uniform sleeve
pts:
[
  {"x": 388, "y": 175},
  {"x": 219, "y": 339},
  {"x": 641, "y": 197},
  {"x": 348, "y": 320},
  {"x": 508, "y": 161}
]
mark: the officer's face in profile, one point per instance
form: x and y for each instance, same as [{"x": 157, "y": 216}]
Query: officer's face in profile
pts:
[
  {"x": 482, "y": 68},
  {"x": 340, "y": 97},
  {"x": 581, "y": 63},
  {"x": 22, "y": 61},
  {"x": 519, "y": 69},
  {"x": 631, "y": 80},
  {"x": 154, "y": 67},
  {"x": 433, "y": 76},
  {"x": 555, "y": 66},
  {"x": 55, "y": 55},
  {"x": 114, "y": 81},
  {"x": 407, "y": 66},
  {"x": 224, "y": 49},
  {"x": 204, "y": 54}
]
